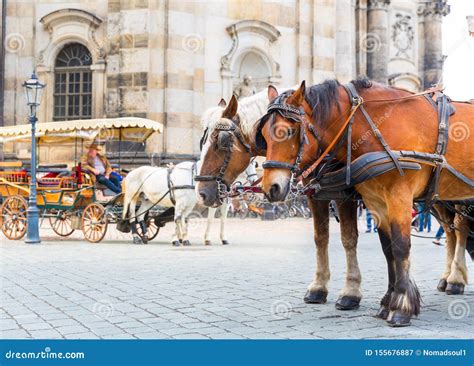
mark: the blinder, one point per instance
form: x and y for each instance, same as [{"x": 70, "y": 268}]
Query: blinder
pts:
[
  {"x": 290, "y": 113},
  {"x": 224, "y": 140},
  {"x": 203, "y": 138}
]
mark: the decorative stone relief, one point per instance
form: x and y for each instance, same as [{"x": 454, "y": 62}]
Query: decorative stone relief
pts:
[
  {"x": 249, "y": 37},
  {"x": 402, "y": 36}
]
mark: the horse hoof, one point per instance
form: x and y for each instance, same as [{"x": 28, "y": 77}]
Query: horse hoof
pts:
[
  {"x": 398, "y": 319},
  {"x": 181, "y": 241},
  {"x": 176, "y": 243},
  {"x": 454, "y": 289},
  {"x": 382, "y": 313},
  {"x": 137, "y": 240},
  {"x": 442, "y": 285},
  {"x": 347, "y": 303},
  {"x": 225, "y": 242},
  {"x": 315, "y": 297},
  {"x": 207, "y": 242},
  {"x": 186, "y": 243},
  {"x": 145, "y": 240}
]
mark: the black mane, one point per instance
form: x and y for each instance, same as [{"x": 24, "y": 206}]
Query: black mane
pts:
[{"x": 322, "y": 96}]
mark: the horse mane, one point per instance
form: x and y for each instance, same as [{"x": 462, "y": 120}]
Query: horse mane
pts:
[
  {"x": 250, "y": 110},
  {"x": 321, "y": 97}
]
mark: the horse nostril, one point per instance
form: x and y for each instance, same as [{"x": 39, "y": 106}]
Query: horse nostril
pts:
[
  {"x": 275, "y": 190},
  {"x": 203, "y": 196}
]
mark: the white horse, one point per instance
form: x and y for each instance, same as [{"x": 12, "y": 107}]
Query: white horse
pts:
[
  {"x": 155, "y": 186},
  {"x": 166, "y": 187}
]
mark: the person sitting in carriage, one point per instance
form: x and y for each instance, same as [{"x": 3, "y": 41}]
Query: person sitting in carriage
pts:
[{"x": 99, "y": 165}]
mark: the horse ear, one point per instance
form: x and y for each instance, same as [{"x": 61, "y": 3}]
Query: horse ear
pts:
[
  {"x": 272, "y": 93},
  {"x": 222, "y": 103},
  {"x": 297, "y": 98},
  {"x": 231, "y": 109}
]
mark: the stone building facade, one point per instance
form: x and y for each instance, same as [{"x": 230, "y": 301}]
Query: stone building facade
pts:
[{"x": 168, "y": 60}]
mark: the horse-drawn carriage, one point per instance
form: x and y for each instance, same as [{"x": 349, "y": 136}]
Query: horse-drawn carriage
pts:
[{"x": 66, "y": 194}]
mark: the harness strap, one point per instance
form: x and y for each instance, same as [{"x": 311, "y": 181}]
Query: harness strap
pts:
[
  {"x": 381, "y": 139},
  {"x": 170, "y": 185},
  {"x": 442, "y": 107},
  {"x": 313, "y": 166},
  {"x": 356, "y": 104}
]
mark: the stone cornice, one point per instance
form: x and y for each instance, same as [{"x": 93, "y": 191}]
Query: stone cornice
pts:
[
  {"x": 70, "y": 15},
  {"x": 255, "y": 26}
]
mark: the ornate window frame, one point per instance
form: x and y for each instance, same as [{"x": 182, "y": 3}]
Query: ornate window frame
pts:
[
  {"x": 66, "y": 26},
  {"x": 249, "y": 36}
]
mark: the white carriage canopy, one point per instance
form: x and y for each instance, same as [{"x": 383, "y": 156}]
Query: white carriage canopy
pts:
[{"x": 97, "y": 130}]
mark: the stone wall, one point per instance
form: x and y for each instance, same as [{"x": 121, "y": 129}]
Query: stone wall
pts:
[{"x": 170, "y": 60}]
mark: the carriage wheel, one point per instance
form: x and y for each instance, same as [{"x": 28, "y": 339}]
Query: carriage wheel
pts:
[
  {"x": 62, "y": 223},
  {"x": 152, "y": 230},
  {"x": 13, "y": 212},
  {"x": 94, "y": 222}
]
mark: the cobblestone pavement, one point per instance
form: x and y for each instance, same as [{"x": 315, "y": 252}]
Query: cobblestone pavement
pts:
[{"x": 252, "y": 288}]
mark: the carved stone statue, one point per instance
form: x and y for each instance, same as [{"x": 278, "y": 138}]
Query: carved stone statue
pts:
[
  {"x": 403, "y": 35},
  {"x": 245, "y": 88}
]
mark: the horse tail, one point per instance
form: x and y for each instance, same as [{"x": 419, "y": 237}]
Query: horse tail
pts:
[{"x": 126, "y": 204}]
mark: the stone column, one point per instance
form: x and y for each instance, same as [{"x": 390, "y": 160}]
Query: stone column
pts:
[
  {"x": 431, "y": 14},
  {"x": 376, "y": 40}
]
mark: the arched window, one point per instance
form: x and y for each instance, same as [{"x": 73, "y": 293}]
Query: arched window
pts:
[{"x": 73, "y": 83}]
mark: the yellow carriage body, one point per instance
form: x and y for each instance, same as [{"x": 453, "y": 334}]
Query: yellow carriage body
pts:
[{"x": 64, "y": 199}]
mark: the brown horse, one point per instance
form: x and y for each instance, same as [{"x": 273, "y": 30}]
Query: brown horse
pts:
[
  {"x": 223, "y": 161},
  {"x": 404, "y": 122}
]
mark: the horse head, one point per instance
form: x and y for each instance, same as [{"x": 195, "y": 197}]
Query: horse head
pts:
[
  {"x": 282, "y": 132},
  {"x": 224, "y": 152}
]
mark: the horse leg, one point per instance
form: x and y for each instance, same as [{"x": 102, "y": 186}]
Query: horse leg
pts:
[
  {"x": 133, "y": 222},
  {"x": 457, "y": 279},
  {"x": 317, "y": 290},
  {"x": 224, "y": 211},
  {"x": 184, "y": 223},
  {"x": 178, "y": 236},
  {"x": 175, "y": 238},
  {"x": 350, "y": 295},
  {"x": 210, "y": 216},
  {"x": 447, "y": 221},
  {"x": 141, "y": 219},
  {"x": 385, "y": 241},
  {"x": 405, "y": 299}
]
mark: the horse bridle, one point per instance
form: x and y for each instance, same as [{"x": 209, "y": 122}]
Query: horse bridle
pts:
[
  {"x": 295, "y": 115},
  {"x": 225, "y": 142}
]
